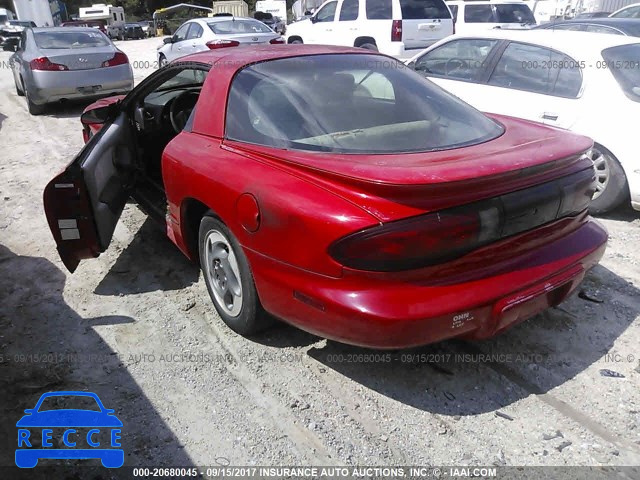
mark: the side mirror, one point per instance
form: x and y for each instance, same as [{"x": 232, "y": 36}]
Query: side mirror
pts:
[
  {"x": 167, "y": 40},
  {"x": 313, "y": 19},
  {"x": 97, "y": 116}
]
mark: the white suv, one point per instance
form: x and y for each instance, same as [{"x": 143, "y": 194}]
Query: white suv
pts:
[
  {"x": 390, "y": 26},
  {"x": 478, "y": 16}
]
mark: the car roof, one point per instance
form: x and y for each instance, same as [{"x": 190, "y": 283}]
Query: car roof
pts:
[
  {"x": 243, "y": 55},
  {"x": 575, "y": 44}
]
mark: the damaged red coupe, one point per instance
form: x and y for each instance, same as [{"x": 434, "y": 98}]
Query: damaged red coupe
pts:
[{"x": 338, "y": 191}]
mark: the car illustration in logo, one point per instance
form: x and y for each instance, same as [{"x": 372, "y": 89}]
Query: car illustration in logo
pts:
[{"x": 54, "y": 430}]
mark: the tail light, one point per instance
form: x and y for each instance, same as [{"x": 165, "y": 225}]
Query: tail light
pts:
[
  {"x": 443, "y": 236},
  {"x": 213, "y": 44},
  {"x": 118, "y": 59},
  {"x": 277, "y": 41},
  {"x": 43, "y": 63},
  {"x": 396, "y": 31}
]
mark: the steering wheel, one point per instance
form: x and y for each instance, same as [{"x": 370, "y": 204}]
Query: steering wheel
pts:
[
  {"x": 181, "y": 108},
  {"x": 453, "y": 65}
]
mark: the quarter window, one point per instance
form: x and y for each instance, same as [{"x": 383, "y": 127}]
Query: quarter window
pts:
[
  {"x": 460, "y": 59},
  {"x": 538, "y": 70},
  {"x": 349, "y": 10}
]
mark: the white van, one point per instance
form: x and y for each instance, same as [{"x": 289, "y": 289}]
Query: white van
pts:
[
  {"x": 390, "y": 26},
  {"x": 482, "y": 15}
]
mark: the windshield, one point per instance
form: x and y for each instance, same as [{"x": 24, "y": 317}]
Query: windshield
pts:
[
  {"x": 349, "y": 104},
  {"x": 238, "y": 26},
  {"x": 68, "y": 402},
  {"x": 54, "y": 40},
  {"x": 514, "y": 13},
  {"x": 624, "y": 64}
]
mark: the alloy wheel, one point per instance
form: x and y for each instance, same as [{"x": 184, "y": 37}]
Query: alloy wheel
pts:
[
  {"x": 223, "y": 273},
  {"x": 601, "y": 163}
]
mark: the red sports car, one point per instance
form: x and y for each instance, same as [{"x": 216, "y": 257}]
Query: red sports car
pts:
[{"x": 339, "y": 191}]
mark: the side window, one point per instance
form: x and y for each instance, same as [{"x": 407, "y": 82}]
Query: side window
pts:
[
  {"x": 373, "y": 85},
  {"x": 181, "y": 33},
  {"x": 603, "y": 29},
  {"x": 538, "y": 70},
  {"x": 478, "y": 14},
  {"x": 378, "y": 9},
  {"x": 459, "y": 59},
  {"x": 423, "y": 9},
  {"x": 195, "y": 31},
  {"x": 349, "y": 10},
  {"x": 632, "y": 12},
  {"x": 454, "y": 12},
  {"x": 578, "y": 27},
  {"x": 327, "y": 13}
]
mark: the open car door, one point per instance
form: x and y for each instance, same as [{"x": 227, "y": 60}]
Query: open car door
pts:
[{"x": 84, "y": 202}]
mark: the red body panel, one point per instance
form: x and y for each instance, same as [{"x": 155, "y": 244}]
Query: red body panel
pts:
[{"x": 286, "y": 208}]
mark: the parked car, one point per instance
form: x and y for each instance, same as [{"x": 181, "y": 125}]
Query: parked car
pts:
[
  {"x": 482, "y": 15},
  {"x": 613, "y": 26},
  {"x": 99, "y": 24},
  {"x": 392, "y": 27},
  {"x": 133, "y": 31},
  {"x": 58, "y": 63},
  {"x": 10, "y": 32},
  {"x": 585, "y": 82},
  {"x": 582, "y": 16},
  {"x": 147, "y": 28},
  {"x": 630, "y": 11},
  {"x": 204, "y": 34},
  {"x": 274, "y": 23},
  {"x": 339, "y": 191}
]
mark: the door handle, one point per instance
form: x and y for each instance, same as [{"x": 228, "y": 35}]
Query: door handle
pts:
[{"x": 550, "y": 116}]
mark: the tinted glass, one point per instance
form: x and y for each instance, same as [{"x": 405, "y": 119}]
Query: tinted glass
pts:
[
  {"x": 460, "y": 59},
  {"x": 348, "y": 104},
  {"x": 478, "y": 14},
  {"x": 423, "y": 9},
  {"x": 538, "y": 70},
  {"x": 327, "y": 13},
  {"x": 349, "y": 10},
  {"x": 603, "y": 29},
  {"x": 624, "y": 64},
  {"x": 514, "y": 13},
  {"x": 378, "y": 9},
  {"x": 72, "y": 39},
  {"x": 454, "y": 12},
  {"x": 238, "y": 26},
  {"x": 195, "y": 31}
]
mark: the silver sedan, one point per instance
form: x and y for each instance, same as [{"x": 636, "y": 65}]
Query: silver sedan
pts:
[
  {"x": 200, "y": 35},
  {"x": 54, "y": 64}
]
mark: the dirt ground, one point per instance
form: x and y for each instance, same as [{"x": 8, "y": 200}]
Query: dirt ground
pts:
[{"x": 136, "y": 327}]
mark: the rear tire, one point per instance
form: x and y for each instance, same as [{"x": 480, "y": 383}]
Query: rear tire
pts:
[
  {"x": 369, "y": 46},
  {"x": 612, "y": 185},
  {"x": 296, "y": 42},
  {"x": 33, "y": 108},
  {"x": 229, "y": 279}
]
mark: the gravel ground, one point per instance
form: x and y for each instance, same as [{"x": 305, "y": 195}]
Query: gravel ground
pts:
[{"x": 121, "y": 325}]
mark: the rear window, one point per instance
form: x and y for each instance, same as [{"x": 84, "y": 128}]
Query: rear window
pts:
[
  {"x": 349, "y": 104},
  {"x": 423, "y": 9},
  {"x": 238, "y": 26},
  {"x": 71, "y": 39},
  {"x": 514, "y": 13},
  {"x": 624, "y": 64},
  {"x": 378, "y": 9}
]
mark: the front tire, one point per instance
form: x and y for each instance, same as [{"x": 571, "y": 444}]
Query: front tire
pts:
[
  {"x": 229, "y": 280},
  {"x": 162, "y": 61},
  {"x": 611, "y": 183},
  {"x": 19, "y": 92}
]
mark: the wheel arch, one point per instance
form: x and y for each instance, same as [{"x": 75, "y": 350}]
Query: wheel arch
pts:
[
  {"x": 191, "y": 212},
  {"x": 362, "y": 40}
]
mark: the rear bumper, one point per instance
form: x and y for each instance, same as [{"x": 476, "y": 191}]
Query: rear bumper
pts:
[
  {"x": 361, "y": 310},
  {"x": 49, "y": 87}
]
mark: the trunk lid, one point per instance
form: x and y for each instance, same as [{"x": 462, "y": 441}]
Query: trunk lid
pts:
[
  {"x": 397, "y": 186},
  {"x": 81, "y": 58},
  {"x": 252, "y": 38}
]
